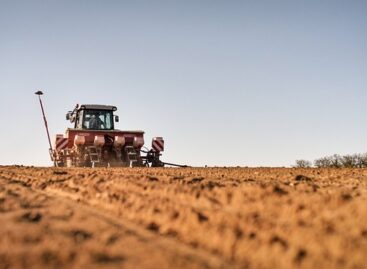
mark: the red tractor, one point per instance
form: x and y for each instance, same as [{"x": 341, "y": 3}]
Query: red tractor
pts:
[{"x": 94, "y": 141}]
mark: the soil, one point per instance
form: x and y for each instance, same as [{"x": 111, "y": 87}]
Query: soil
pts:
[{"x": 182, "y": 218}]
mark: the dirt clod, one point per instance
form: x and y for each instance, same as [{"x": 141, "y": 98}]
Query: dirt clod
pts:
[
  {"x": 302, "y": 178},
  {"x": 346, "y": 196},
  {"x": 202, "y": 217},
  {"x": 105, "y": 258},
  {"x": 59, "y": 172},
  {"x": 195, "y": 180},
  {"x": 150, "y": 178},
  {"x": 79, "y": 236},
  {"x": 278, "y": 190},
  {"x": 153, "y": 227},
  {"x": 300, "y": 256},
  {"x": 278, "y": 240},
  {"x": 32, "y": 217}
]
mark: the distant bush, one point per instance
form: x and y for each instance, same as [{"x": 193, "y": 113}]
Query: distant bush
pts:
[
  {"x": 322, "y": 162},
  {"x": 303, "y": 164},
  {"x": 336, "y": 161}
]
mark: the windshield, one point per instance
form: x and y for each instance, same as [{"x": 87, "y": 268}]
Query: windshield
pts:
[{"x": 97, "y": 120}]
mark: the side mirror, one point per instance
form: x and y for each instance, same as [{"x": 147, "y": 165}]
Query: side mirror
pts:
[
  {"x": 70, "y": 116},
  {"x": 117, "y": 119}
]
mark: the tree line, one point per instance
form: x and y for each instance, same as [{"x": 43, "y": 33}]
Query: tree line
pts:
[{"x": 336, "y": 161}]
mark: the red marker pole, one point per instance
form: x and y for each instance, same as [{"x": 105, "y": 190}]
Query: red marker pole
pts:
[{"x": 39, "y": 93}]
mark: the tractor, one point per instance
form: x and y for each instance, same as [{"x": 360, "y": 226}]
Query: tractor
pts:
[{"x": 94, "y": 142}]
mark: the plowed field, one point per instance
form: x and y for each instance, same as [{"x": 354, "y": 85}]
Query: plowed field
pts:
[{"x": 183, "y": 218}]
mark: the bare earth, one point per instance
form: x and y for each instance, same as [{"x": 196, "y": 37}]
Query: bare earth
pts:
[{"x": 183, "y": 218}]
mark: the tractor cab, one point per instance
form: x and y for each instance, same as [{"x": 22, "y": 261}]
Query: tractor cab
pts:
[{"x": 93, "y": 117}]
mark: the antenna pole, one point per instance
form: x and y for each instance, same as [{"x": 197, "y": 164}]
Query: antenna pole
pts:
[{"x": 39, "y": 93}]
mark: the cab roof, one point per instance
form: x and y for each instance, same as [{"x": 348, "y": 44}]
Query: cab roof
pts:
[{"x": 98, "y": 107}]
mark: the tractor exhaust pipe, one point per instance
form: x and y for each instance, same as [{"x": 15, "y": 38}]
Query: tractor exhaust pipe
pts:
[{"x": 39, "y": 93}]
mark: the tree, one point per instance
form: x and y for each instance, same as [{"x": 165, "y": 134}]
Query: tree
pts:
[
  {"x": 303, "y": 164},
  {"x": 322, "y": 162},
  {"x": 346, "y": 161}
]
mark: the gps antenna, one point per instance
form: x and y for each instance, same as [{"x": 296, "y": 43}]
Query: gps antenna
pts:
[{"x": 39, "y": 93}]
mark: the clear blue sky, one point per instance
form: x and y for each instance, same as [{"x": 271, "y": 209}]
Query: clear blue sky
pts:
[{"x": 250, "y": 83}]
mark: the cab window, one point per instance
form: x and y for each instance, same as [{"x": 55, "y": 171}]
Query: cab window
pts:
[{"x": 97, "y": 120}]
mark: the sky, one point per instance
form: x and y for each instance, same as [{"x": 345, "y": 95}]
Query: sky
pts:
[{"x": 226, "y": 83}]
